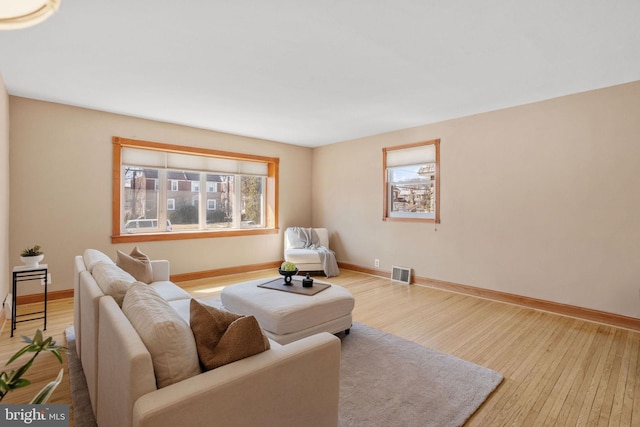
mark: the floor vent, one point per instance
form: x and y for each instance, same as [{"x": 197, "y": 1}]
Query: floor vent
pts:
[{"x": 401, "y": 274}]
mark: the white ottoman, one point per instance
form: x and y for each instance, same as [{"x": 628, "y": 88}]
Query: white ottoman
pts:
[{"x": 287, "y": 317}]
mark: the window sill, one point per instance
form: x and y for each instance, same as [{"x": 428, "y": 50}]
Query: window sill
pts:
[
  {"x": 406, "y": 219},
  {"x": 187, "y": 235}
]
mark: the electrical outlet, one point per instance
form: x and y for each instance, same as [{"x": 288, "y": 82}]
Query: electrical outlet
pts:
[
  {"x": 48, "y": 280},
  {"x": 376, "y": 262}
]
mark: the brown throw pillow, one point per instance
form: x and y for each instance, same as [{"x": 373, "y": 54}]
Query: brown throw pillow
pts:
[
  {"x": 223, "y": 337},
  {"x": 136, "y": 264}
]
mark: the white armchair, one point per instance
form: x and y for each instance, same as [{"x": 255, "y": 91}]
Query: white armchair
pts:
[{"x": 305, "y": 259}]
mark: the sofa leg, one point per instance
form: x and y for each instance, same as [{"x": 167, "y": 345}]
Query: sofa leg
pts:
[{"x": 347, "y": 331}]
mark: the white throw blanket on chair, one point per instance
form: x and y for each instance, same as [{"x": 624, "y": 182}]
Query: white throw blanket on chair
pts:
[{"x": 305, "y": 238}]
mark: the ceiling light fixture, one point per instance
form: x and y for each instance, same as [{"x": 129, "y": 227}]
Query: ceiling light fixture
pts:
[{"x": 16, "y": 14}]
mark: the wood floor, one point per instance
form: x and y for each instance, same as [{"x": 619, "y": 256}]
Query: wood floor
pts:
[{"x": 558, "y": 370}]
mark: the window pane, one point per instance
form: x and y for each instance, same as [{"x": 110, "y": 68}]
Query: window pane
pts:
[
  {"x": 220, "y": 190},
  {"x": 169, "y": 189},
  {"x": 412, "y": 190},
  {"x": 186, "y": 213},
  {"x": 412, "y": 182},
  {"x": 253, "y": 201},
  {"x": 140, "y": 200}
]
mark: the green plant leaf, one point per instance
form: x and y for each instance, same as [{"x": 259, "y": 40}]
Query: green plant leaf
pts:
[
  {"x": 57, "y": 354},
  {"x": 21, "y": 382},
  {"x": 23, "y": 368},
  {"x": 37, "y": 339},
  {"x": 13, "y": 379},
  {"x": 47, "y": 390},
  {"x": 20, "y": 352},
  {"x": 4, "y": 387}
]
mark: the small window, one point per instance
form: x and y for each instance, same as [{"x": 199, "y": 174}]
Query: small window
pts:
[
  {"x": 412, "y": 182},
  {"x": 174, "y": 185},
  {"x": 171, "y": 204}
]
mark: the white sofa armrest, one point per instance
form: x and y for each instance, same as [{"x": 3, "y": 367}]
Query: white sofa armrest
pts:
[
  {"x": 78, "y": 267},
  {"x": 90, "y": 295},
  {"x": 259, "y": 390},
  {"x": 160, "y": 268},
  {"x": 125, "y": 369}
]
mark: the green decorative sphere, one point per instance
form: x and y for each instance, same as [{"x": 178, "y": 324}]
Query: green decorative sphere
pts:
[{"x": 288, "y": 266}]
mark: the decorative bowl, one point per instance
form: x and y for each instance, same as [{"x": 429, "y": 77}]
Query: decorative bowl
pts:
[
  {"x": 32, "y": 261},
  {"x": 288, "y": 275}
]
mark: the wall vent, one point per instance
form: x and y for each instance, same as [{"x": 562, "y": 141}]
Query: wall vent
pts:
[{"x": 401, "y": 274}]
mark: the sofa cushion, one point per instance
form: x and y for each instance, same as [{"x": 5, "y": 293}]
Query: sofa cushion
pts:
[
  {"x": 137, "y": 264},
  {"x": 223, "y": 337},
  {"x": 303, "y": 256},
  {"x": 112, "y": 280},
  {"x": 170, "y": 291},
  {"x": 182, "y": 306},
  {"x": 93, "y": 256},
  {"x": 167, "y": 337}
]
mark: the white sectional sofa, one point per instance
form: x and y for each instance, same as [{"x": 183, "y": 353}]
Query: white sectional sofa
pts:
[{"x": 295, "y": 384}]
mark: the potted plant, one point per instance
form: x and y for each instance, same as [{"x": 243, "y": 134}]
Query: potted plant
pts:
[
  {"x": 31, "y": 257},
  {"x": 11, "y": 380}
]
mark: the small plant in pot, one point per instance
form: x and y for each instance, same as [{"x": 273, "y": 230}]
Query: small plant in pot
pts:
[{"x": 31, "y": 257}]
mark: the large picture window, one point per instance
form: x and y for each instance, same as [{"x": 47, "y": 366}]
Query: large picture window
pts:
[
  {"x": 412, "y": 182},
  {"x": 168, "y": 192}
]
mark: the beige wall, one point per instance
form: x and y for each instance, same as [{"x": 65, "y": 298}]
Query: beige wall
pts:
[
  {"x": 540, "y": 200},
  {"x": 5, "y": 273},
  {"x": 61, "y": 189}
]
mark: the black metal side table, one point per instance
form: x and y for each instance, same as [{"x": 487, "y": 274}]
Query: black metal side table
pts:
[{"x": 24, "y": 274}]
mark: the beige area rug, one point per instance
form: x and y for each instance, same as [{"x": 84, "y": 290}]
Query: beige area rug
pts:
[
  {"x": 389, "y": 381},
  {"x": 384, "y": 381},
  {"x": 82, "y": 411}
]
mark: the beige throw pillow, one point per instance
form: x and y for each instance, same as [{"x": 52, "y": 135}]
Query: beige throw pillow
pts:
[
  {"x": 223, "y": 337},
  {"x": 137, "y": 264},
  {"x": 165, "y": 334}
]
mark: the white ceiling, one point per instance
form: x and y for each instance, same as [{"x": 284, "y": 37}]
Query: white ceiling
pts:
[{"x": 317, "y": 72}]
